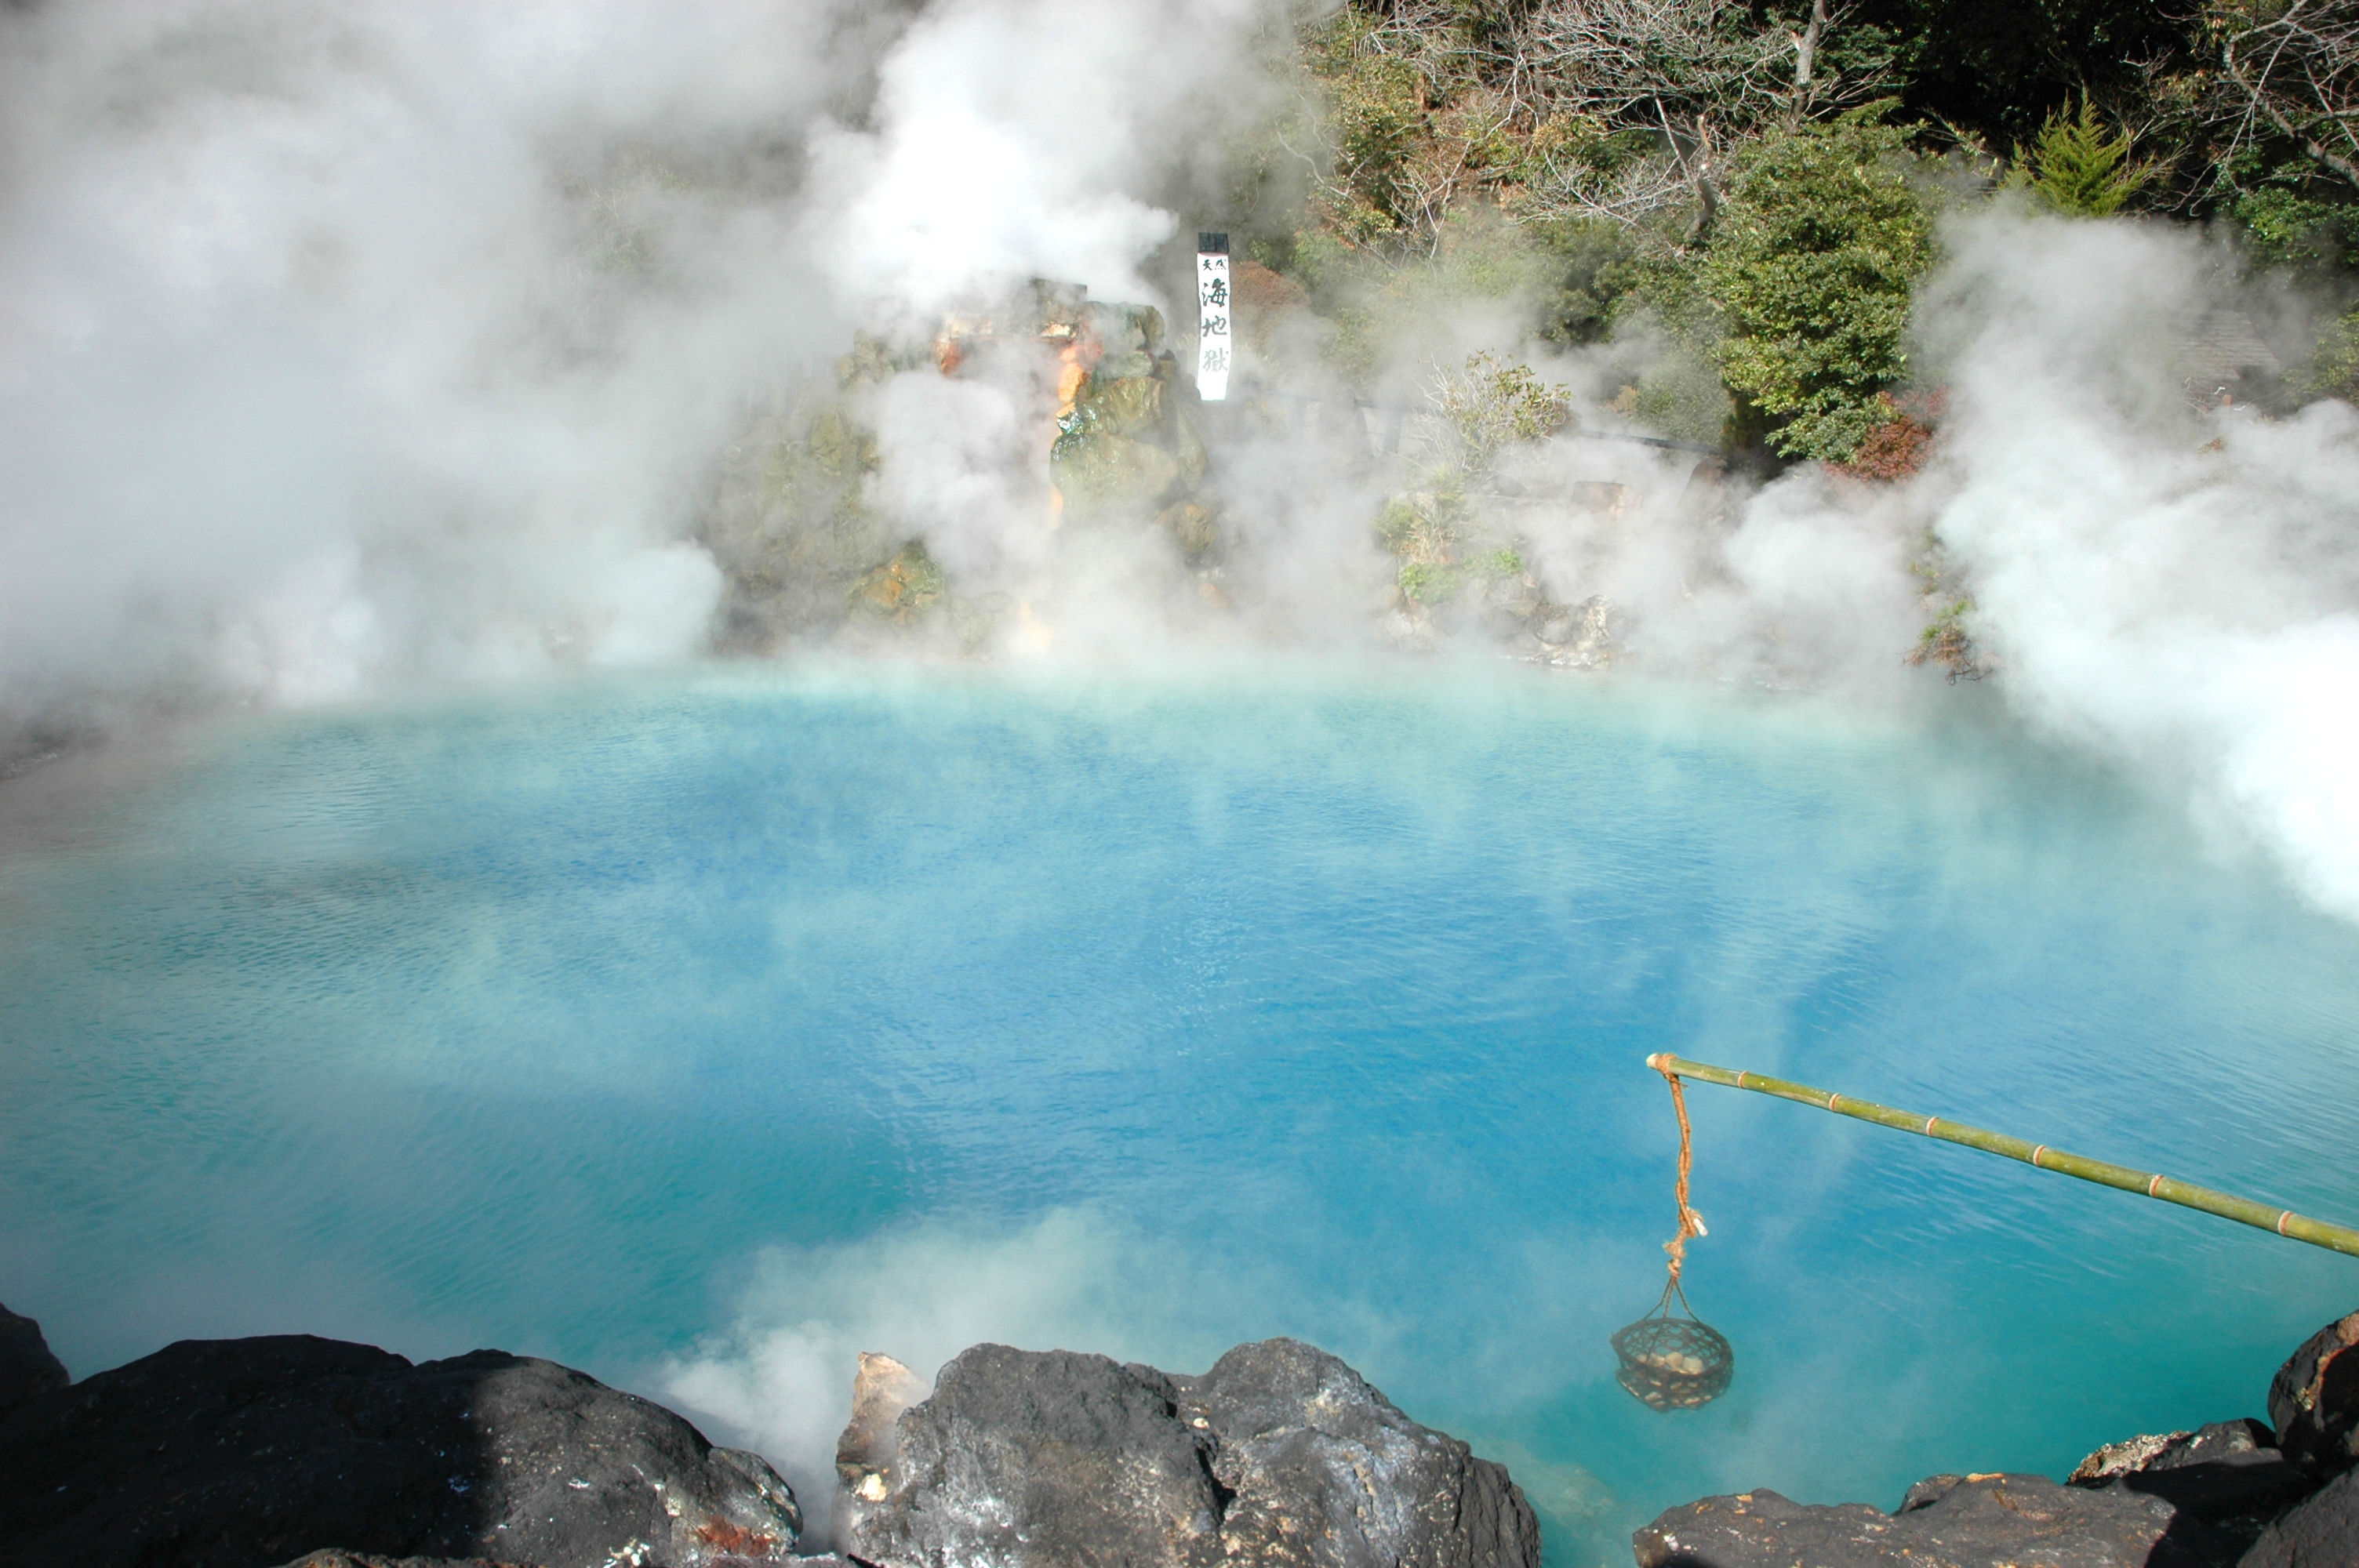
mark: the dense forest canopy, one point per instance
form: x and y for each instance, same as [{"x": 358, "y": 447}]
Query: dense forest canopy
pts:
[{"x": 1760, "y": 183}]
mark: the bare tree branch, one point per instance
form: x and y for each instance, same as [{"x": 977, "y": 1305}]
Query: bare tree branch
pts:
[{"x": 2296, "y": 65}]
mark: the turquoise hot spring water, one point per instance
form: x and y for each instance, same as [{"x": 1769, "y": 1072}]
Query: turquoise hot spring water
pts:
[{"x": 701, "y": 1030}]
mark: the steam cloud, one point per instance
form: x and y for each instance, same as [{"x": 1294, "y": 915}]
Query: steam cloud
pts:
[
  {"x": 780, "y": 1378},
  {"x": 2182, "y": 604},
  {"x": 354, "y": 345}
]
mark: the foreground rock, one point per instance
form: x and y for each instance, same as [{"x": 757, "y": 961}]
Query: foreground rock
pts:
[
  {"x": 2232, "y": 1495},
  {"x": 1949, "y": 1520},
  {"x": 1280, "y": 1455},
  {"x": 26, "y": 1365},
  {"x": 230, "y": 1454},
  {"x": 2314, "y": 1400},
  {"x": 2229, "y": 1475},
  {"x": 374, "y": 1560},
  {"x": 2320, "y": 1531}
]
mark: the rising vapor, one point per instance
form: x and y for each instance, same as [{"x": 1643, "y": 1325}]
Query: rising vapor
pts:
[{"x": 355, "y": 346}]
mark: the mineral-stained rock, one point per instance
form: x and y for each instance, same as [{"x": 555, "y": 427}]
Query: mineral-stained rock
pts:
[
  {"x": 1973, "y": 1522},
  {"x": 225, "y": 1454},
  {"x": 26, "y": 1365},
  {"x": 903, "y": 588},
  {"x": 1191, "y": 527},
  {"x": 2228, "y": 1475},
  {"x": 1280, "y": 1455},
  {"x": 865, "y": 1454},
  {"x": 1588, "y": 635},
  {"x": 1098, "y": 470},
  {"x": 2314, "y": 1400},
  {"x": 2321, "y": 1533}
]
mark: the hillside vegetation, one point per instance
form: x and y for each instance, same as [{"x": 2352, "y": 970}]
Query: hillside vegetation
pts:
[{"x": 1759, "y": 183}]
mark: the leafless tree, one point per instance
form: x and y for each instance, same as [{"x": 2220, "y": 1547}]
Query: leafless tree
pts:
[
  {"x": 1624, "y": 110},
  {"x": 2294, "y": 65},
  {"x": 1698, "y": 74}
]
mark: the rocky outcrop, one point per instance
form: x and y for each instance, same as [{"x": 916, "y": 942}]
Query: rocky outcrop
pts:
[
  {"x": 801, "y": 520},
  {"x": 26, "y": 1365},
  {"x": 2320, "y": 1531},
  {"x": 374, "y": 1560},
  {"x": 1949, "y": 1519},
  {"x": 225, "y": 1454},
  {"x": 2234, "y": 1494},
  {"x": 2314, "y": 1400},
  {"x": 864, "y": 1454},
  {"x": 2229, "y": 1475},
  {"x": 1280, "y": 1454},
  {"x": 336, "y": 1559}
]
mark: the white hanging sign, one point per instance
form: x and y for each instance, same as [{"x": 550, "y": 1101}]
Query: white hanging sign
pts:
[{"x": 1212, "y": 334}]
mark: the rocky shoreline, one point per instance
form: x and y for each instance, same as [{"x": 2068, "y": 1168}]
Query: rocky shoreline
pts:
[
  {"x": 2234, "y": 1494},
  {"x": 318, "y": 1453}
]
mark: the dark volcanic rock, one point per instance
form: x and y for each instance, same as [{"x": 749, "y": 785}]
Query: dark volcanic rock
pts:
[
  {"x": 2314, "y": 1400},
  {"x": 372, "y": 1560},
  {"x": 26, "y": 1365},
  {"x": 2229, "y": 1475},
  {"x": 2222, "y": 1442},
  {"x": 1307, "y": 1449},
  {"x": 1956, "y": 1522},
  {"x": 1280, "y": 1455},
  {"x": 1065, "y": 1456},
  {"x": 226, "y": 1454},
  {"x": 2322, "y": 1533}
]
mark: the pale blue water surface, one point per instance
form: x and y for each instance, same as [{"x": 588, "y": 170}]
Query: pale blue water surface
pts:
[{"x": 531, "y": 1020}]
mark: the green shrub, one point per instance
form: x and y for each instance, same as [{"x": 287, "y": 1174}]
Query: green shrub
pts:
[
  {"x": 1429, "y": 584},
  {"x": 1811, "y": 266},
  {"x": 1491, "y": 406},
  {"x": 2287, "y": 228},
  {"x": 1375, "y": 125},
  {"x": 2333, "y": 370}
]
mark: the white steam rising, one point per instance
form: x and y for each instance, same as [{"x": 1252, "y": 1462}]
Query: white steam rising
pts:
[
  {"x": 354, "y": 345},
  {"x": 2181, "y": 596},
  {"x": 346, "y": 342},
  {"x": 780, "y": 1379},
  {"x": 1014, "y": 139}
]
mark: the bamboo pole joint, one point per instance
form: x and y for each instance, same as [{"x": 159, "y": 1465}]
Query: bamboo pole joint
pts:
[{"x": 2040, "y": 1156}]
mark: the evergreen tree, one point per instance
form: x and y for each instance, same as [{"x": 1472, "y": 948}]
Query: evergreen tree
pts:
[
  {"x": 2079, "y": 168},
  {"x": 1811, "y": 266}
]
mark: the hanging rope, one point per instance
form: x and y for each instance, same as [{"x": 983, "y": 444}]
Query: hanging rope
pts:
[
  {"x": 1675, "y": 1363},
  {"x": 1691, "y": 1222}
]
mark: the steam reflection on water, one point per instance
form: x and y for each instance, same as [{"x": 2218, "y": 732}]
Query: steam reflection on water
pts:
[{"x": 702, "y": 1031}]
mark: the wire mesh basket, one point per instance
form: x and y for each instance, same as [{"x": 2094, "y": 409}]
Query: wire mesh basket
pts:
[{"x": 1674, "y": 1363}]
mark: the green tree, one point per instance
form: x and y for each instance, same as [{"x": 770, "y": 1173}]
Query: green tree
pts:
[
  {"x": 2333, "y": 370},
  {"x": 2079, "y": 167},
  {"x": 1811, "y": 266}
]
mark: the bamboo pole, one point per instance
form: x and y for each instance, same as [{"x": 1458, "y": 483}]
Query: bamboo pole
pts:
[{"x": 2227, "y": 1205}]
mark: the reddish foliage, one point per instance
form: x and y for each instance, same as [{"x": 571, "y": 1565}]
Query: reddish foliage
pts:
[
  {"x": 1259, "y": 290},
  {"x": 1951, "y": 649},
  {"x": 1896, "y": 448}
]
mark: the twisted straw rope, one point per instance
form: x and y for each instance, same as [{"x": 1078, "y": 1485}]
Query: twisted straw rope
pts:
[{"x": 1691, "y": 1222}]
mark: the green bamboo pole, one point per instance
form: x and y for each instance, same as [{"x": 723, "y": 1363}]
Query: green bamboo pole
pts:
[{"x": 2227, "y": 1205}]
